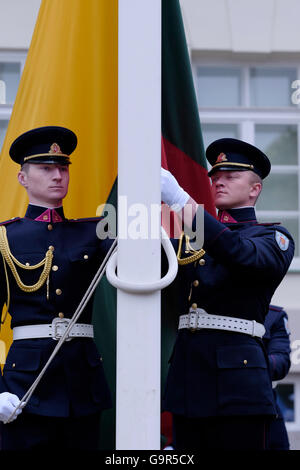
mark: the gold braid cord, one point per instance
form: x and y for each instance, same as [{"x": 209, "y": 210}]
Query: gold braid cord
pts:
[
  {"x": 11, "y": 261},
  {"x": 190, "y": 259}
]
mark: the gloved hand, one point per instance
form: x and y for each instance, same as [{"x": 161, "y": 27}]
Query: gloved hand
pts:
[
  {"x": 8, "y": 404},
  {"x": 171, "y": 193}
]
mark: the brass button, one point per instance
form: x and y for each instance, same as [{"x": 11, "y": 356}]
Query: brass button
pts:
[
  {"x": 54, "y": 268},
  {"x": 58, "y": 291},
  {"x": 61, "y": 315},
  {"x": 196, "y": 283},
  {"x": 245, "y": 361},
  {"x": 86, "y": 256},
  {"x": 202, "y": 262},
  {"x": 13, "y": 365},
  {"x": 194, "y": 306},
  {"x": 50, "y": 227},
  {"x": 51, "y": 248},
  {"x": 27, "y": 264}
]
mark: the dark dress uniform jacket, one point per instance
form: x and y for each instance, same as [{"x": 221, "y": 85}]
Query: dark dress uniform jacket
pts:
[
  {"x": 220, "y": 373},
  {"x": 277, "y": 341},
  {"x": 74, "y": 383}
]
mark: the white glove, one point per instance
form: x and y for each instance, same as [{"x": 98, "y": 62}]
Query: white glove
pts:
[
  {"x": 8, "y": 404},
  {"x": 171, "y": 193}
]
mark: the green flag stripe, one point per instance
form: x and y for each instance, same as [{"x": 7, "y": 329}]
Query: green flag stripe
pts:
[{"x": 180, "y": 116}]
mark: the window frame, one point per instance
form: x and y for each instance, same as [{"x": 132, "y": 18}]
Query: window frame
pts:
[
  {"x": 293, "y": 379},
  {"x": 7, "y": 56}
]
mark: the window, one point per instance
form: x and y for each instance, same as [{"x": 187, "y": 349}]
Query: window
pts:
[
  {"x": 253, "y": 102},
  {"x": 286, "y": 401},
  {"x": 11, "y": 67},
  {"x": 10, "y": 73},
  {"x": 271, "y": 87},
  {"x": 211, "y": 83},
  {"x": 288, "y": 398}
]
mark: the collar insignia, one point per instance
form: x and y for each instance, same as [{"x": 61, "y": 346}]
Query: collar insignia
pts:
[
  {"x": 226, "y": 218},
  {"x": 48, "y": 215}
]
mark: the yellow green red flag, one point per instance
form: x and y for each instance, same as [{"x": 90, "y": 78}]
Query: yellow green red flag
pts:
[{"x": 70, "y": 79}]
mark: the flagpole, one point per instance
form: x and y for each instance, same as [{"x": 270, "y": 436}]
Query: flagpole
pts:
[{"x": 139, "y": 161}]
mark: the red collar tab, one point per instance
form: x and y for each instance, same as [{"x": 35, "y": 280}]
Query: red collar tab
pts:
[
  {"x": 226, "y": 218},
  {"x": 50, "y": 215}
]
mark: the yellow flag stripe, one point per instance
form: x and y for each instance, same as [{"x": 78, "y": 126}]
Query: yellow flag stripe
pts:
[{"x": 70, "y": 79}]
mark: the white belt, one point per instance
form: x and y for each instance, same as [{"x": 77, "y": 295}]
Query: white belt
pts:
[
  {"x": 54, "y": 330},
  {"x": 199, "y": 318}
]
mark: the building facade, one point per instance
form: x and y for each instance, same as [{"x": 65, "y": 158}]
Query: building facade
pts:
[
  {"x": 246, "y": 65},
  {"x": 245, "y": 59}
]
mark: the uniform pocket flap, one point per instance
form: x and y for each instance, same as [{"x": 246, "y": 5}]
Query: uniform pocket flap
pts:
[
  {"x": 23, "y": 360},
  {"x": 81, "y": 253},
  {"x": 238, "y": 357}
]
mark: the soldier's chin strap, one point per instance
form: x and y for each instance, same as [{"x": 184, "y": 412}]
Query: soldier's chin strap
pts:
[{"x": 97, "y": 278}]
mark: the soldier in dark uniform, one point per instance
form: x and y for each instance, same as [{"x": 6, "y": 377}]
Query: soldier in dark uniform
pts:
[
  {"x": 277, "y": 342},
  {"x": 47, "y": 264},
  {"x": 219, "y": 384}
]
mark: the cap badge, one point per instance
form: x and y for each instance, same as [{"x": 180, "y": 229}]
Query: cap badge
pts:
[
  {"x": 55, "y": 148},
  {"x": 221, "y": 158}
]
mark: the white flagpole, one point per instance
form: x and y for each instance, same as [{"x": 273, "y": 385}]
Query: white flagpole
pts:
[{"x": 139, "y": 161}]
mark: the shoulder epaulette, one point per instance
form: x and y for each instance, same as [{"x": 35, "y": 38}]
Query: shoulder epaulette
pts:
[
  {"x": 268, "y": 224},
  {"x": 275, "y": 308},
  {"x": 10, "y": 221},
  {"x": 86, "y": 219}
]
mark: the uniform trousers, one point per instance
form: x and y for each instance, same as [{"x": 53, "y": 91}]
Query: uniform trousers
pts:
[
  {"x": 278, "y": 438},
  {"x": 220, "y": 433},
  {"x": 35, "y": 432}
]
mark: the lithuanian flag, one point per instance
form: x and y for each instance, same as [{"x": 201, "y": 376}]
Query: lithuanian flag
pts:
[
  {"x": 182, "y": 152},
  {"x": 71, "y": 79}
]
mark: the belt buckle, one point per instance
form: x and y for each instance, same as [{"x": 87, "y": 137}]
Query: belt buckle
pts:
[
  {"x": 193, "y": 321},
  {"x": 59, "y": 326}
]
